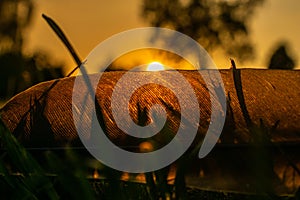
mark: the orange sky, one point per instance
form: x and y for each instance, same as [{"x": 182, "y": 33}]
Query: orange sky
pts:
[{"x": 89, "y": 22}]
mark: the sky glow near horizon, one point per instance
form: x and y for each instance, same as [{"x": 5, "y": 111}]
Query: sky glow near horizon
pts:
[{"x": 87, "y": 23}]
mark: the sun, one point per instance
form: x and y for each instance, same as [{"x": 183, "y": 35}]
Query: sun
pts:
[{"x": 155, "y": 66}]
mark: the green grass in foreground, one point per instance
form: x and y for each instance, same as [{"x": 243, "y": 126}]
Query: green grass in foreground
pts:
[{"x": 22, "y": 177}]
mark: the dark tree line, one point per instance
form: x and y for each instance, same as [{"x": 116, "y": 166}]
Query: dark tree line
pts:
[
  {"x": 18, "y": 71},
  {"x": 281, "y": 59},
  {"x": 215, "y": 24}
]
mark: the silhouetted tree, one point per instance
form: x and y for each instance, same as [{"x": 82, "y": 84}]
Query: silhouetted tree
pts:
[
  {"x": 280, "y": 59},
  {"x": 213, "y": 23},
  {"x": 17, "y": 72},
  {"x": 15, "y": 16}
]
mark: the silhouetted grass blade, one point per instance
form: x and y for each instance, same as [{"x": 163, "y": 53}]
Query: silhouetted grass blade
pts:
[
  {"x": 32, "y": 181},
  {"x": 63, "y": 38}
]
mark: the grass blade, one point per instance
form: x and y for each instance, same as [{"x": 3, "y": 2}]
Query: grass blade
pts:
[{"x": 63, "y": 38}]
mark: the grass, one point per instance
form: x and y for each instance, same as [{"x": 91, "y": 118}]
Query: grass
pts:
[
  {"x": 22, "y": 176},
  {"x": 59, "y": 176},
  {"x": 65, "y": 176},
  {"x": 21, "y": 172}
]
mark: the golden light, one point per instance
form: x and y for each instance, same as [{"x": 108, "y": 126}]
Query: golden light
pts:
[{"x": 155, "y": 66}]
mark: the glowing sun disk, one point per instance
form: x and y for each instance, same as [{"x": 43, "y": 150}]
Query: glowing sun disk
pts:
[{"x": 155, "y": 66}]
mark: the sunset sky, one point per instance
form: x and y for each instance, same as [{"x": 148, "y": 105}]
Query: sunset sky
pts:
[{"x": 89, "y": 22}]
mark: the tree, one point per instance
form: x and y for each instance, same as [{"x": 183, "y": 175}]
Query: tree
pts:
[
  {"x": 17, "y": 71},
  {"x": 280, "y": 59},
  {"x": 213, "y": 23},
  {"x": 15, "y": 16}
]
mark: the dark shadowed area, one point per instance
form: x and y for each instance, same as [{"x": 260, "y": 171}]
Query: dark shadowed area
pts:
[
  {"x": 229, "y": 166},
  {"x": 256, "y": 154},
  {"x": 19, "y": 71}
]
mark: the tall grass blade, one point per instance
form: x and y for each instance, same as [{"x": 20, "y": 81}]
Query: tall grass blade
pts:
[
  {"x": 63, "y": 38},
  {"x": 31, "y": 181}
]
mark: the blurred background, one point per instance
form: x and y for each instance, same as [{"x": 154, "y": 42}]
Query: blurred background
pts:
[{"x": 256, "y": 33}]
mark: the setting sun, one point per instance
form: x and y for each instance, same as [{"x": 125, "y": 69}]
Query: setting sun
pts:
[{"x": 155, "y": 66}]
